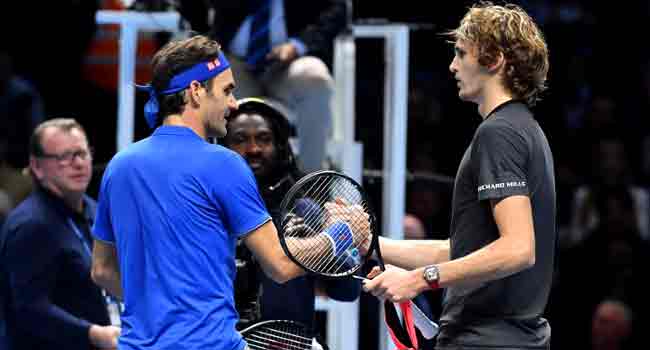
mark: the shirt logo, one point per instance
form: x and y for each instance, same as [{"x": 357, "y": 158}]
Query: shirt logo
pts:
[{"x": 502, "y": 185}]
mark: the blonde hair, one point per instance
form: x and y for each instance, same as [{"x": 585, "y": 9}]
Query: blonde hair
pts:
[{"x": 510, "y": 31}]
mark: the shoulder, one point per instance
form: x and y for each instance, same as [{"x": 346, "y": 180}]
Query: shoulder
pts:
[
  {"x": 505, "y": 127},
  {"x": 219, "y": 168},
  {"x": 496, "y": 127},
  {"x": 31, "y": 218},
  {"x": 132, "y": 151},
  {"x": 218, "y": 155},
  {"x": 31, "y": 210},
  {"x": 125, "y": 158}
]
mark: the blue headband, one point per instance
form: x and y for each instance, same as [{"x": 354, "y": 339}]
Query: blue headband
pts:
[{"x": 200, "y": 72}]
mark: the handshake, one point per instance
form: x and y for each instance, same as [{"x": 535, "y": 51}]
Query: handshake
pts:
[{"x": 329, "y": 238}]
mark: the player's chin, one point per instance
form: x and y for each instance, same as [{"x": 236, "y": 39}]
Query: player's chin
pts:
[{"x": 260, "y": 172}]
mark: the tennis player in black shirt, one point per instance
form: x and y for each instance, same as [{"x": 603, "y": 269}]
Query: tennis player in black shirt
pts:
[{"x": 496, "y": 268}]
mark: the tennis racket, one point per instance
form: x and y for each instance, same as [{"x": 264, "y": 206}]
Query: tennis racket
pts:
[
  {"x": 326, "y": 218},
  {"x": 278, "y": 335}
]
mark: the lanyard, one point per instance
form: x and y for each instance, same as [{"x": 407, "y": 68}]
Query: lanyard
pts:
[
  {"x": 77, "y": 232},
  {"x": 114, "y": 307}
]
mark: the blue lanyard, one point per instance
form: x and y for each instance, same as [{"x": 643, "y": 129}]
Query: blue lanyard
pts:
[
  {"x": 80, "y": 236},
  {"x": 109, "y": 299}
]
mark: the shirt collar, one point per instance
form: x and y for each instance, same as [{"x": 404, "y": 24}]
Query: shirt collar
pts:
[
  {"x": 503, "y": 105},
  {"x": 176, "y": 130}
]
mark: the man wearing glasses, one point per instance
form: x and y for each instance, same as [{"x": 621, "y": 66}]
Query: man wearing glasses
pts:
[{"x": 48, "y": 298}]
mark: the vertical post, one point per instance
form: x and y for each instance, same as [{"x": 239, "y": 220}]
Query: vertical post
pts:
[
  {"x": 343, "y": 318},
  {"x": 395, "y": 134},
  {"x": 131, "y": 23},
  {"x": 126, "y": 89}
]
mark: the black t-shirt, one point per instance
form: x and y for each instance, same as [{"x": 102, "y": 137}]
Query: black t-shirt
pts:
[{"x": 509, "y": 155}]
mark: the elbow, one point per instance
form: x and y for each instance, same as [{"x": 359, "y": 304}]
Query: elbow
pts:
[
  {"x": 526, "y": 258},
  {"x": 280, "y": 277},
  {"x": 101, "y": 275},
  {"x": 285, "y": 271},
  {"x": 279, "y": 274}
]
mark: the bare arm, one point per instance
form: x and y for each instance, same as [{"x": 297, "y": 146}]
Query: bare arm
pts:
[
  {"x": 411, "y": 254},
  {"x": 106, "y": 270},
  {"x": 512, "y": 252},
  {"x": 264, "y": 243}
]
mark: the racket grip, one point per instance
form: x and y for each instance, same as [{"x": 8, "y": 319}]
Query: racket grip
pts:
[{"x": 340, "y": 235}]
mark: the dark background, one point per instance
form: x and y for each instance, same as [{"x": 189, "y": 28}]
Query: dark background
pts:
[{"x": 599, "y": 91}]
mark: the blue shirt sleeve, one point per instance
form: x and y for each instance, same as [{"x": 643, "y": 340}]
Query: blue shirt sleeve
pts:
[
  {"x": 236, "y": 192},
  {"x": 301, "y": 48},
  {"x": 102, "y": 228}
]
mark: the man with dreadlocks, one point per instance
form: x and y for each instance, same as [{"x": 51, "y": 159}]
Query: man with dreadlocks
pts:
[{"x": 259, "y": 131}]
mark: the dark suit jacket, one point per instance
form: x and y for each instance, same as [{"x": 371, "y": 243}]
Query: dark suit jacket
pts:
[
  {"x": 48, "y": 298},
  {"x": 315, "y": 22}
]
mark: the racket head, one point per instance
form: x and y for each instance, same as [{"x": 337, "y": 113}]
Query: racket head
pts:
[
  {"x": 277, "y": 335},
  {"x": 305, "y": 201}
]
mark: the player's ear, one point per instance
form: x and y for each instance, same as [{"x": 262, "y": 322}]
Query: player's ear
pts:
[{"x": 498, "y": 63}]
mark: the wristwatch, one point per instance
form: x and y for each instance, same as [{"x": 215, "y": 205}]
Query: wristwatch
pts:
[{"x": 432, "y": 276}]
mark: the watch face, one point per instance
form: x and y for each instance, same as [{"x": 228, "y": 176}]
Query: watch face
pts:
[{"x": 431, "y": 274}]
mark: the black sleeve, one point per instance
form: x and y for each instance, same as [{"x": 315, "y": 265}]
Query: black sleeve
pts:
[
  {"x": 319, "y": 35},
  {"x": 499, "y": 158},
  {"x": 31, "y": 265},
  {"x": 195, "y": 13}
]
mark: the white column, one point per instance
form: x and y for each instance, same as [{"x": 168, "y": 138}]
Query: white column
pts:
[
  {"x": 396, "y": 51},
  {"x": 126, "y": 88},
  {"x": 131, "y": 23}
]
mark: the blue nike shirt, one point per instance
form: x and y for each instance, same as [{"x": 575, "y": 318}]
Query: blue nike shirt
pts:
[{"x": 174, "y": 205}]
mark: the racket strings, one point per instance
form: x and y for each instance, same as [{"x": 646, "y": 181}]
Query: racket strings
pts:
[
  {"x": 278, "y": 337},
  {"x": 321, "y": 191},
  {"x": 314, "y": 218}
]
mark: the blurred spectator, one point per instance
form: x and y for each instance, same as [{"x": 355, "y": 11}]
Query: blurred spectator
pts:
[
  {"x": 611, "y": 326},
  {"x": 54, "y": 65},
  {"x": 610, "y": 262},
  {"x": 428, "y": 201},
  {"x": 281, "y": 49},
  {"x": 21, "y": 109},
  {"x": 5, "y": 206},
  {"x": 49, "y": 300},
  {"x": 610, "y": 170},
  {"x": 413, "y": 227},
  {"x": 640, "y": 113}
]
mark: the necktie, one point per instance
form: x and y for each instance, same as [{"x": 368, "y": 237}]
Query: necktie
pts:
[{"x": 259, "y": 43}]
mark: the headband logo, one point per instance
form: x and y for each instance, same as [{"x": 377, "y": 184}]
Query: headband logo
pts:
[{"x": 214, "y": 64}]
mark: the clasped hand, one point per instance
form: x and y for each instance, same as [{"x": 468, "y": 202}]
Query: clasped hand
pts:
[{"x": 394, "y": 284}]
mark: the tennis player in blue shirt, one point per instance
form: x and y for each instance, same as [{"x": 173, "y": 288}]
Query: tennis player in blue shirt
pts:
[{"x": 167, "y": 227}]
